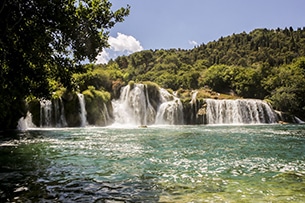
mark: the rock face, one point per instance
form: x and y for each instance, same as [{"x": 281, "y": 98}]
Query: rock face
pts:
[
  {"x": 72, "y": 109},
  {"x": 98, "y": 107}
]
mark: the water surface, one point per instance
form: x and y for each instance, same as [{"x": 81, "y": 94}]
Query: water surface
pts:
[{"x": 248, "y": 163}]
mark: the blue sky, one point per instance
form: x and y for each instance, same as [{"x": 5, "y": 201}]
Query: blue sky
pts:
[{"x": 165, "y": 24}]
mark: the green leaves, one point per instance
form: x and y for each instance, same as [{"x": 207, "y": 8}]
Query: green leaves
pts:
[
  {"x": 47, "y": 40},
  {"x": 286, "y": 86}
]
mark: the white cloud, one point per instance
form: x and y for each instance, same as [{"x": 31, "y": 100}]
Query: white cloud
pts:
[
  {"x": 192, "y": 42},
  {"x": 124, "y": 43},
  {"x": 120, "y": 45}
]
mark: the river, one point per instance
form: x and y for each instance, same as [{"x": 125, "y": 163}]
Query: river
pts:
[{"x": 175, "y": 163}]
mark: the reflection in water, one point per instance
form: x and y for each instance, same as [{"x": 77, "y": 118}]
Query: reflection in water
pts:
[{"x": 156, "y": 164}]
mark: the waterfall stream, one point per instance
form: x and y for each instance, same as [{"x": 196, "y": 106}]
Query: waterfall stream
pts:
[
  {"x": 52, "y": 113},
  {"x": 134, "y": 107},
  {"x": 82, "y": 110},
  {"x": 59, "y": 113},
  {"x": 140, "y": 106},
  {"x": 170, "y": 110},
  {"x": 240, "y": 111},
  {"x": 45, "y": 113}
]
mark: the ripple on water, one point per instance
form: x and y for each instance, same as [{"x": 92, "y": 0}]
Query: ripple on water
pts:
[{"x": 156, "y": 164}]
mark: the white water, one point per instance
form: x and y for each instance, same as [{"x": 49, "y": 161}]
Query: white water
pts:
[
  {"x": 25, "y": 122},
  {"x": 59, "y": 113},
  {"x": 134, "y": 107},
  {"x": 45, "y": 113},
  {"x": 82, "y": 112},
  {"x": 194, "y": 107},
  {"x": 171, "y": 109},
  {"x": 298, "y": 120},
  {"x": 194, "y": 98},
  {"x": 52, "y": 114},
  {"x": 106, "y": 115},
  {"x": 248, "y": 111}
]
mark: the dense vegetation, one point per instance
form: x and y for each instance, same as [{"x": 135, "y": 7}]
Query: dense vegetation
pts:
[
  {"x": 263, "y": 64},
  {"x": 43, "y": 43}
]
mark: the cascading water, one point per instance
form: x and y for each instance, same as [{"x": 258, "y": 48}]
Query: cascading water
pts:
[
  {"x": 140, "y": 104},
  {"x": 170, "y": 110},
  {"x": 59, "y": 113},
  {"x": 194, "y": 108},
  {"x": 247, "y": 111},
  {"x": 82, "y": 112},
  {"x": 106, "y": 115},
  {"x": 134, "y": 107},
  {"x": 52, "y": 113},
  {"x": 25, "y": 122},
  {"x": 288, "y": 118},
  {"x": 45, "y": 113}
]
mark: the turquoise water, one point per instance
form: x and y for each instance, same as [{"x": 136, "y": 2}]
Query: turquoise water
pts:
[{"x": 250, "y": 163}]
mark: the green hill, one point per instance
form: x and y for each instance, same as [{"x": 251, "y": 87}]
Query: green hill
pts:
[{"x": 263, "y": 64}]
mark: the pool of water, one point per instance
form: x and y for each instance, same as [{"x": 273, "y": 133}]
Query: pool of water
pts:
[{"x": 248, "y": 163}]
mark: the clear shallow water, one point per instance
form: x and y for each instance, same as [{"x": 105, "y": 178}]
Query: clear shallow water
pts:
[{"x": 254, "y": 163}]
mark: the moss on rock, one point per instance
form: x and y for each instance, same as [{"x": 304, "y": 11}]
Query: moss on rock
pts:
[
  {"x": 98, "y": 106},
  {"x": 72, "y": 109},
  {"x": 153, "y": 91}
]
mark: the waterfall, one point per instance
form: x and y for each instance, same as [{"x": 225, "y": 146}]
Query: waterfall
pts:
[
  {"x": 288, "y": 118},
  {"x": 141, "y": 104},
  {"x": 133, "y": 107},
  {"x": 170, "y": 110},
  {"x": 45, "y": 113},
  {"x": 194, "y": 108},
  {"x": 52, "y": 113},
  {"x": 25, "y": 122},
  {"x": 194, "y": 98},
  {"x": 298, "y": 120},
  {"x": 59, "y": 113},
  {"x": 82, "y": 113},
  {"x": 106, "y": 115},
  {"x": 247, "y": 111}
]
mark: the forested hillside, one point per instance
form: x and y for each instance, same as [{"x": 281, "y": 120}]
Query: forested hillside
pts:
[
  {"x": 274, "y": 47},
  {"x": 263, "y": 64}
]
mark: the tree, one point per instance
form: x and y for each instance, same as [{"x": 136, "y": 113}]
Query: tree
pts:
[
  {"x": 47, "y": 39},
  {"x": 216, "y": 78},
  {"x": 286, "y": 86}
]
